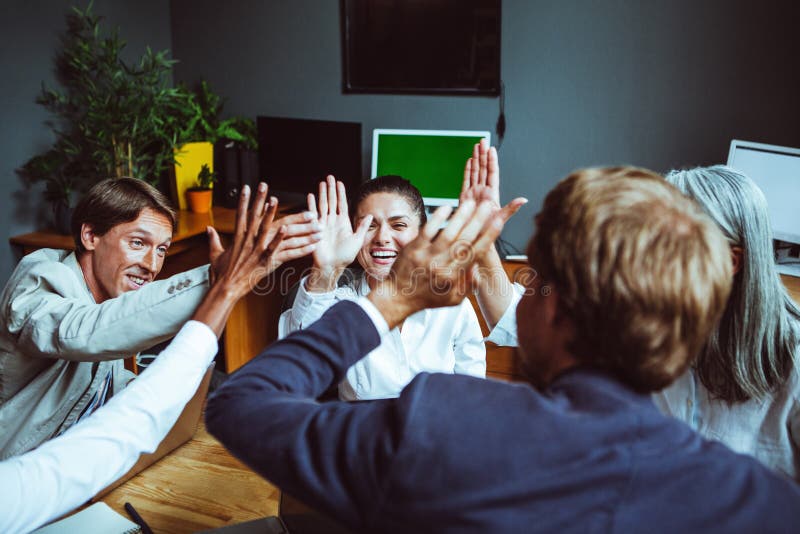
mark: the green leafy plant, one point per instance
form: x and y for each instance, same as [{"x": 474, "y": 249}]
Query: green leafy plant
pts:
[
  {"x": 205, "y": 178},
  {"x": 201, "y": 119},
  {"x": 117, "y": 118},
  {"x": 112, "y": 118}
]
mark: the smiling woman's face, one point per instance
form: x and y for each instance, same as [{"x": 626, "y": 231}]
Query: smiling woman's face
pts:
[{"x": 394, "y": 225}]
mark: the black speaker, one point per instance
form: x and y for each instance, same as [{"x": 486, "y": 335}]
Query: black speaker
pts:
[{"x": 235, "y": 166}]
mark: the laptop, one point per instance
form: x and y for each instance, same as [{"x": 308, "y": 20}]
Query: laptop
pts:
[
  {"x": 182, "y": 431},
  {"x": 293, "y": 517},
  {"x": 301, "y": 519}
]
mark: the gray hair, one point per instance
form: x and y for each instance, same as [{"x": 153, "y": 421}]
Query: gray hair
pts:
[{"x": 752, "y": 350}]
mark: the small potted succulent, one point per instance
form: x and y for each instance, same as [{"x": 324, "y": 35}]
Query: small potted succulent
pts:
[{"x": 199, "y": 196}]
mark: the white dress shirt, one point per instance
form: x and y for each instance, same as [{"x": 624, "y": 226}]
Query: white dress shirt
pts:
[
  {"x": 504, "y": 333},
  {"x": 63, "y": 473},
  {"x": 440, "y": 340}
]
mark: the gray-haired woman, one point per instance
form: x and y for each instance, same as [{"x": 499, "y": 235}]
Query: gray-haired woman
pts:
[{"x": 744, "y": 388}]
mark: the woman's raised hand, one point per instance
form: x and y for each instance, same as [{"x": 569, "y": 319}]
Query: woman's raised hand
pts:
[
  {"x": 339, "y": 244},
  {"x": 482, "y": 180}
]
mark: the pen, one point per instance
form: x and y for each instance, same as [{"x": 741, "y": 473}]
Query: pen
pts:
[{"x": 137, "y": 518}]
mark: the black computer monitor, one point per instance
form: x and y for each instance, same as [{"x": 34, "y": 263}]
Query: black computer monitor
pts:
[{"x": 296, "y": 154}]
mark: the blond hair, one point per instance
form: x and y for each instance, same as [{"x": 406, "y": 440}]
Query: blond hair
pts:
[{"x": 642, "y": 273}]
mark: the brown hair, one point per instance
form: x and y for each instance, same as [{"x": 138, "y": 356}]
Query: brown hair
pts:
[
  {"x": 115, "y": 201},
  {"x": 391, "y": 183},
  {"x": 639, "y": 269}
]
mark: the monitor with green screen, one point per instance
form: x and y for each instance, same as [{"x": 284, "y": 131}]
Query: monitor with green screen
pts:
[{"x": 432, "y": 160}]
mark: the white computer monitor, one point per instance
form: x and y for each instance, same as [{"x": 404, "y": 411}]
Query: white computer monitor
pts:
[
  {"x": 776, "y": 170},
  {"x": 432, "y": 160}
]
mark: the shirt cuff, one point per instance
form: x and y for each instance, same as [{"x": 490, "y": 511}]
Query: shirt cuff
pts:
[
  {"x": 377, "y": 319},
  {"x": 504, "y": 333},
  {"x": 303, "y": 300},
  {"x": 194, "y": 338}
]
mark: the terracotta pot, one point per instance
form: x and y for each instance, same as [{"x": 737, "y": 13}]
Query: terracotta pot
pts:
[{"x": 199, "y": 200}]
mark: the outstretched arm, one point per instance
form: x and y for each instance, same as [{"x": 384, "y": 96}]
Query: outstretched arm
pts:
[
  {"x": 494, "y": 291},
  {"x": 50, "y": 315},
  {"x": 59, "y": 476}
]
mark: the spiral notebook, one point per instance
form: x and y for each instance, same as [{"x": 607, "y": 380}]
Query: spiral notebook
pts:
[{"x": 99, "y": 518}]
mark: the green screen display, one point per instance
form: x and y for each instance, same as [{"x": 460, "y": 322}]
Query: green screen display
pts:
[{"x": 433, "y": 163}]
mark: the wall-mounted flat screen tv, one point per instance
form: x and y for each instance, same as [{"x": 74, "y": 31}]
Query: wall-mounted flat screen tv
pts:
[{"x": 421, "y": 46}]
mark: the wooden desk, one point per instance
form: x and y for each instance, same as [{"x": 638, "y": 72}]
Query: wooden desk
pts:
[
  {"x": 196, "y": 487},
  {"x": 254, "y": 321}
]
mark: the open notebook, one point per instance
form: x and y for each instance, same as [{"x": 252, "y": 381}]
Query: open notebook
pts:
[{"x": 99, "y": 518}]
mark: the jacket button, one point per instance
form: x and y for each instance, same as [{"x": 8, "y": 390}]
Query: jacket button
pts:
[{"x": 171, "y": 290}]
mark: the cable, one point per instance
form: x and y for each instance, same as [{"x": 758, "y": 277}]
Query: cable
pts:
[
  {"x": 500, "y": 127},
  {"x": 506, "y": 247}
]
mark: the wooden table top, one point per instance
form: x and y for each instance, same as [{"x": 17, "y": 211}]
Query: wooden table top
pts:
[{"x": 196, "y": 487}]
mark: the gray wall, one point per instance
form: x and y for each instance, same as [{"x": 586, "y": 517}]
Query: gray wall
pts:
[
  {"x": 29, "y": 35},
  {"x": 657, "y": 83}
]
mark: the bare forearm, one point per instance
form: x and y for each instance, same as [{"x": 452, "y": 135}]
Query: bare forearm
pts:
[
  {"x": 494, "y": 289},
  {"x": 216, "y": 307}
]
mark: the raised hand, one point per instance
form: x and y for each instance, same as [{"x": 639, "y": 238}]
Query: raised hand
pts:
[
  {"x": 435, "y": 269},
  {"x": 482, "y": 180},
  {"x": 301, "y": 233},
  {"x": 339, "y": 244},
  {"x": 255, "y": 252},
  {"x": 494, "y": 290}
]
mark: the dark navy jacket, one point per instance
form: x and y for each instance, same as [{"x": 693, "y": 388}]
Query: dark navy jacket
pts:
[{"x": 460, "y": 454}]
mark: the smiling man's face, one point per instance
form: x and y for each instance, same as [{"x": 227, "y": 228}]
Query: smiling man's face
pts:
[{"x": 126, "y": 257}]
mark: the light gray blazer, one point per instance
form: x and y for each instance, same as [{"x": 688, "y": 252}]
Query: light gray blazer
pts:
[{"x": 57, "y": 344}]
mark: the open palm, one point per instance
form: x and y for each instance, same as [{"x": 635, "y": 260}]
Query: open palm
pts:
[
  {"x": 482, "y": 181},
  {"x": 339, "y": 244}
]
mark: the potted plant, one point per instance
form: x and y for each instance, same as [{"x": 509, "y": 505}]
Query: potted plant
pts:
[
  {"x": 200, "y": 128},
  {"x": 199, "y": 197},
  {"x": 111, "y": 117}
]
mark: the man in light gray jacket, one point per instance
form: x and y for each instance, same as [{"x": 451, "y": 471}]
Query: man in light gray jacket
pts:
[{"x": 69, "y": 319}]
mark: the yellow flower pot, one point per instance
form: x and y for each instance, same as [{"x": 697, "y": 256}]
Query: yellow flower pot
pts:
[{"x": 189, "y": 159}]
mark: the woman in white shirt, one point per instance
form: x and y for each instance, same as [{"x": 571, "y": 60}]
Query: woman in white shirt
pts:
[{"x": 389, "y": 212}]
